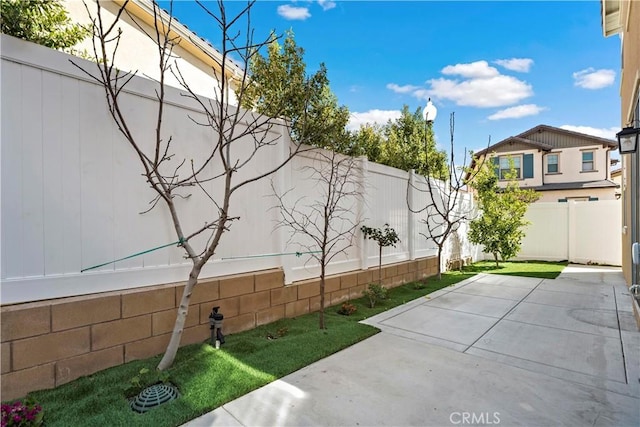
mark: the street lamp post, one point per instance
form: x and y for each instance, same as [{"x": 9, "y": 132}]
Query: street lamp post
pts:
[{"x": 430, "y": 112}]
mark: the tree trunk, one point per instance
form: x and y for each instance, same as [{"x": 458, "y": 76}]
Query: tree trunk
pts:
[
  {"x": 495, "y": 256},
  {"x": 439, "y": 263},
  {"x": 178, "y": 327},
  {"x": 380, "y": 264},
  {"x": 322, "y": 268}
]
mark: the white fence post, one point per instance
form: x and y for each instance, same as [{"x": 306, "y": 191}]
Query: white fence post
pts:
[
  {"x": 363, "y": 212},
  {"x": 571, "y": 230},
  {"x": 411, "y": 218},
  {"x": 284, "y": 177}
]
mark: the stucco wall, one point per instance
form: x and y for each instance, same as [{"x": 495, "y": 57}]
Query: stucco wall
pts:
[{"x": 138, "y": 53}]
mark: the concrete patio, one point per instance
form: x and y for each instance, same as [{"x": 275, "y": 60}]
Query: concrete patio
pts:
[{"x": 490, "y": 350}]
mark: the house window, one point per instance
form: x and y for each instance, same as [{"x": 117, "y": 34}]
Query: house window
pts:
[
  {"x": 552, "y": 163},
  {"x": 587, "y": 161},
  {"x": 505, "y": 166}
]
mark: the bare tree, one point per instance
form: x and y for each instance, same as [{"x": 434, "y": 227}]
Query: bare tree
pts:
[
  {"x": 445, "y": 208},
  {"x": 324, "y": 225},
  {"x": 237, "y": 135}
]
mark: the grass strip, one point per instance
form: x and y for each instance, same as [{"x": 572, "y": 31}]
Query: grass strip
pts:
[{"x": 541, "y": 269}]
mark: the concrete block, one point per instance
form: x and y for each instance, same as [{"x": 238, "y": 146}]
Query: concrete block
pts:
[
  {"x": 5, "y": 355},
  {"x": 206, "y": 290},
  {"x": 145, "y": 348},
  {"x": 257, "y": 301},
  {"x": 403, "y": 268},
  {"x": 24, "y": 320},
  {"x": 356, "y": 291},
  {"x": 284, "y": 295},
  {"x": 18, "y": 383},
  {"x": 239, "y": 323},
  {"x": 196, "y": 334},
  {"x": 272, "y": 279},
  {"x": 270, "y": 315},
  {"x": 240, "y": 284},
  {"x": 39, "y": 350},
  {"x": 164, "y": 321},
  {"x": 339, "y": 297},
  {"x": 298, "y": 308},
  {"x": 83, "y": 312},
  {"x": 366, "y": 277},
  {"x": 307, "y": 290},
  {"x": 314, "y": 303},
  {"x": 122, "y": 331},
  {"x": 75, "y": 367},
  {"x": 348, "y": 280},
  {"x": 148, "y": 301},
  {"x": 332, "y": 284}
]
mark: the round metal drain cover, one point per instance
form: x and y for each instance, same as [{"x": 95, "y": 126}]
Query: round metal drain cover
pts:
[{"x": 153, "y": 396}]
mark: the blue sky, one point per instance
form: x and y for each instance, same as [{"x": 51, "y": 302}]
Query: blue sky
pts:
[{"x": 503, "y": 67}]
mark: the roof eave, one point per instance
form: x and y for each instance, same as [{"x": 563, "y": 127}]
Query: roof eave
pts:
[
  {"x": 611, "y": 19},
  {"x": 190, "y": 41}
]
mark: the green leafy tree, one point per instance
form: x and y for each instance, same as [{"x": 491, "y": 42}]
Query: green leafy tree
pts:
[
  {"x": 384, "y": 237},
  {"x": 499, "y": 229},
  {"x": 41, "y": 21},
  {"x": 367, "y": 141},
  {"x": 280, "y": 79},
  {"x": 405, "y": 143}
]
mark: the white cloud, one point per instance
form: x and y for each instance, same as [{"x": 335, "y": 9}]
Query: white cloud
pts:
[
  {"x": 522, "y": 65},
  {"x": 473, "y": 70},
  {"x": 402, "y": 89},
  {"x": 372, "y": 117},
  {"x": 594, "y": 79},
  {"x": 517, "y": 112},
  {"x": 495, "y": 91},
  {"x": 608, "y": 133},
  {"x": 293, "y": 13},
  {"x": 326, "y": 4}
]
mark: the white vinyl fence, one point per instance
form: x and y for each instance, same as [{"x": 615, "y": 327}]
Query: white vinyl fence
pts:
[
  {"x": 580, "y": 232},
  {"x": 72, "y": 191}
]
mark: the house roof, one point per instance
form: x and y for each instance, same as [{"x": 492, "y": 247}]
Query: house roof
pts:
[
  {"x": 529, "y": 138},
  {"x": 188, "y": 40},
  {"x": 513, "y": 140},
  {"x": 591, "y": 138},
  {"x": 605, "y": 183}
]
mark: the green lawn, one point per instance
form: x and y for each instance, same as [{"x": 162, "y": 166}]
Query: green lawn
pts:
[
  {"x": 208, "y": 378},
  {"x": 541, "y": 269}
]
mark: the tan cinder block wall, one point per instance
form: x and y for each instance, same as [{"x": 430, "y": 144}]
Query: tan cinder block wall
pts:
[{"x": 48, "y": 343}]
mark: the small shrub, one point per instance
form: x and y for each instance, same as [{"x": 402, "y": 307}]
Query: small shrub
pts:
[
  {"x": 375, "y": 292},
  {"x": 144, "y": 379},
  {"x": 419, "y": 285},
  {"x": 347, "y": 309},
  {"x": 22, "y": 414},
  {"x": 279, "y": 334}
]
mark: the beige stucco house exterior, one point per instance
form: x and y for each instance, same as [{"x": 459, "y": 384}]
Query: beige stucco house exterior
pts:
[
  {"x": 561, "y": 165},
  {"x": 623, "y": 18},
  {"x": 196, "y": 59}
]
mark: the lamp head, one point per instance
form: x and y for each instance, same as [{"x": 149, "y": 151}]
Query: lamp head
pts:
[
  {"x": 430, "y": 112},
  {"x": 628, "y": 140}
]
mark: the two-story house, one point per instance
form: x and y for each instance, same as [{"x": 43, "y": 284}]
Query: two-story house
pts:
[
  {"x": 560, "y": 164},
  {"x": 196, "y": 60}
]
